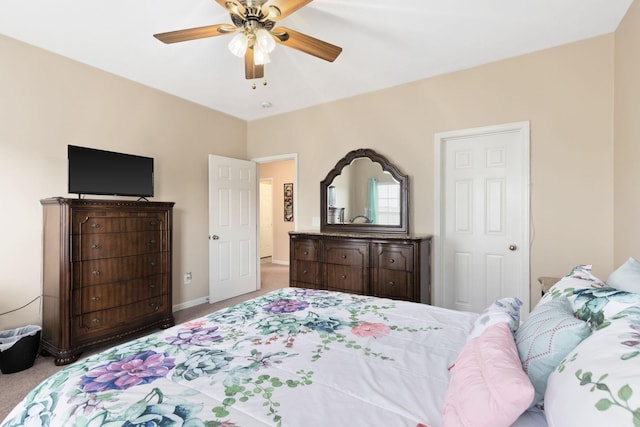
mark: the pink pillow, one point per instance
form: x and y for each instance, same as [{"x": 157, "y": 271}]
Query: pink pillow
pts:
[{"x": 488, "y": 386}]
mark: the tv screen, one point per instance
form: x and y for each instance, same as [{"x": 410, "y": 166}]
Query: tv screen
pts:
[{"x": 93, "y": 171}]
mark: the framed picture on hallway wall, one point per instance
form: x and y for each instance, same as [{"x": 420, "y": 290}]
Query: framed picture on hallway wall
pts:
[{"x": 288, "y": 202}]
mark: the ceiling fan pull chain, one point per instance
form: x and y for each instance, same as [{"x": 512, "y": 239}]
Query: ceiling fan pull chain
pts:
[{"x": 253, "y": 84}]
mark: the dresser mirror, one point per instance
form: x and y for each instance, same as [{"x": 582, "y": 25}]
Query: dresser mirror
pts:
[{"x": 364, "y": 193}]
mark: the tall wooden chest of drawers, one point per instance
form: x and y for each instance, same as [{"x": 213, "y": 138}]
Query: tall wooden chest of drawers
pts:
[
  {"x": 106, "y": 272},
  {"x": 391, "y": 266}
]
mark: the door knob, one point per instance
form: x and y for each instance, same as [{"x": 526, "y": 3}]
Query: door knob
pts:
[
  {"x": 214, "y": 237},
  {"x": 512, "y": 247}
]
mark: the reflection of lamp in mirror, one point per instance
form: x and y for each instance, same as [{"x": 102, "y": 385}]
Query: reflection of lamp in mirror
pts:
[
  {"x": 331, "y": 195},
  {"x": 335, "y": 215}
]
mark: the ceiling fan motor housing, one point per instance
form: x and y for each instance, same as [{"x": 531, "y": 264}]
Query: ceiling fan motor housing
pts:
[{"x": 254, "y": 18}]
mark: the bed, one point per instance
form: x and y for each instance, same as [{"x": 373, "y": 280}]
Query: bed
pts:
[{"x": 301, "y": 357}]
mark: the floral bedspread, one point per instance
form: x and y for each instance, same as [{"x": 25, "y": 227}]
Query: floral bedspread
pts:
[{"x": 293, "y": 357}]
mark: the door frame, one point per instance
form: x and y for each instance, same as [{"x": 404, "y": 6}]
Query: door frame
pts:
[
  {"x": 260, "y": 182},
  {"x": 440, "y": 140},
  {"x": 271, "y": 159}
]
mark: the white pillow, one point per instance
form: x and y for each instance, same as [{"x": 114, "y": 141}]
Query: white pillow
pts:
[
  {"x": 626, "y": 277},
  {"x": 505, "y": 310}
]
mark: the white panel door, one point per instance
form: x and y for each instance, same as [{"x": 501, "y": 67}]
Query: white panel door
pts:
[
  {"x": 233, "y": 231},
  {"x": 483, "y": 217}
]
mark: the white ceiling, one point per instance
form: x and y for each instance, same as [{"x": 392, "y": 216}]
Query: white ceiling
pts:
[{"x": 386, "y": 43}]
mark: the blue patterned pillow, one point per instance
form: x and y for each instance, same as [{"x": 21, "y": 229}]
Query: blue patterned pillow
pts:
[{"x": 545, "y": 338}]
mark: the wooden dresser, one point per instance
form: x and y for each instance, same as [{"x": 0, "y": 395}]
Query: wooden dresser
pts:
[
  {"x": 106, "y": 272},
  {"x": 391, "y": 265}
]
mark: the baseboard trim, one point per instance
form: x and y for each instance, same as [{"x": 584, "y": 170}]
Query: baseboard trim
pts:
[
  {"x": 279, "y": 262},
  {"x": 191, "y": 303}
]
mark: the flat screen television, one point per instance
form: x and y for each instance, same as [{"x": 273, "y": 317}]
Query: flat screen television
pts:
[{"x": 101, "y": 172}]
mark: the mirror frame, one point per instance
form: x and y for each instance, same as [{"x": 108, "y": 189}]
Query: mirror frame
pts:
[{"x": 387, "y": 166}]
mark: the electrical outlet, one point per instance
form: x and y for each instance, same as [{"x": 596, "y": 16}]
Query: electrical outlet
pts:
[{"x": 187, "y": 278}]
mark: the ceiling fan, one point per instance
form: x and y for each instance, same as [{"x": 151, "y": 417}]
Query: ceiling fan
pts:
[{"x": 254, "y": 21}]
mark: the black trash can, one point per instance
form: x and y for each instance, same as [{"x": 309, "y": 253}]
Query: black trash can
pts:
[{"x": 19, "y": 348}]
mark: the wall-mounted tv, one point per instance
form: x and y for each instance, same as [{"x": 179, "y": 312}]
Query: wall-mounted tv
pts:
[{"x": 101, "y": 172}]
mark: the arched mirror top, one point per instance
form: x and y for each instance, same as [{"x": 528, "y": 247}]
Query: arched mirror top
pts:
[{"x": 364, "y": 193}]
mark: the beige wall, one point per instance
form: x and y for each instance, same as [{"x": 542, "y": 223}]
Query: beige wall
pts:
[
  {"x": 627, "y": 138},
  {"x": 279, "y": 172},
  {"x": 566, "y": 93},
  {"x": 47, "y": 102}
]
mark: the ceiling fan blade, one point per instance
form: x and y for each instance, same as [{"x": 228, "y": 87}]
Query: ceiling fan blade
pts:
[
  {"x": 306, "y": 44},
  {"x": 251, "y": 70},
  {"x": 275, "y": 10},
  {"x": 195, "y": 33},
  {"x": 232, "y": 6}
]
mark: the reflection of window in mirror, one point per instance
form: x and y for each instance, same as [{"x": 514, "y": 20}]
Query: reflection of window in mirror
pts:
[{"x": 388, "y": 203}]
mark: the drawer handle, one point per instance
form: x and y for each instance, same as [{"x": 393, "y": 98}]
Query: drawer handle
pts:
[
  {"x": 343, "y": 276},
  {"x": 152, "y": 285},
  {"x": 153, "y": 241},
  {"x": 95, "y": 246},
  {"x": 94, "y": 298},
  {"x": 306, "y": 252},
  {"x": 392, "y": 284},
  {"x": 95, "y": 321},
  {"x": 153, "y": 223},
  {"x": 305, "y": 271},
  {"x": 95, "y": 225},
  {"x": 153, "y": 263},
  {"x": 96, "y": 272},
  {"x": 344, "y": 257},
  {"x": 392, "y": 260},
  {"x": 155, "y": 306}
]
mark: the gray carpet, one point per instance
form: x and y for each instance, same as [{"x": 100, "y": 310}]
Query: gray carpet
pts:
[{"x": 13, "y": 387}]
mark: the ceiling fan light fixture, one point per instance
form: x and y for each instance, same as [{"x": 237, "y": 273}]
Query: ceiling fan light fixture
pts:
[
  {"x": 238, "y": 45},
  {"x": 265, "y": 40},
  {"x": 260, "y": 55}
]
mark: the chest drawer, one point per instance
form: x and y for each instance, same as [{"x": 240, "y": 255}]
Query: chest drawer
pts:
[
  {"x": 394, "y": 284},
  {"x": 306, "y": 249},
  {"x": 91, "y": 324},
  {"x": 347, "y": 279},
  {"x": 108, "y": 295},
  {"x": 393, "y": 256},
  {"x": 90, "y": 223},
  {"x": 95, "y": 246},
  {"x": 306, "y": 272},
  {"x": 106, "y": 270},
  {"x": 347, "y": 253}
]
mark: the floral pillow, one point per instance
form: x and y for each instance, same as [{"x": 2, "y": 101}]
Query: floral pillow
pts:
[
  {"x": 592, "y": 300},
  {"x": 505, "y": 310},
  {"x": 598, "y": 383},
  {"x": 597, "y": 306},
  {"x": 579, "y": 278},
  {"x": 544, "y": 339}
]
